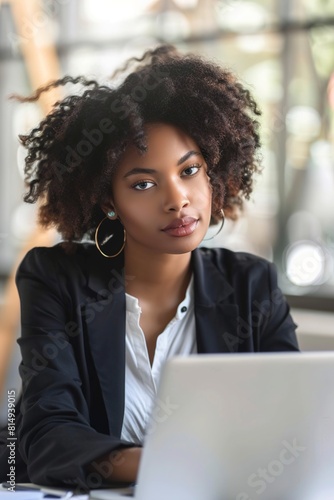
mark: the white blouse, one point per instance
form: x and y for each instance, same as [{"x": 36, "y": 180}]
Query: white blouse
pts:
[{"x": 142, "y": 379}]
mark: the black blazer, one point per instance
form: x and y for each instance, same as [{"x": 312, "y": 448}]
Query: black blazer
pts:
[{"x": 73, "y": 347}]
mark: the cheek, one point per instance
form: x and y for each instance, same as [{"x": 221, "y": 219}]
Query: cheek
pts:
[
  {"x": 203, "y": 195},
  {"x": 134, "y": 211}
]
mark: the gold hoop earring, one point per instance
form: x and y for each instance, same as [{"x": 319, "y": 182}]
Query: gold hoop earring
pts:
[
  {"x": 223, "y": 220},
  {"x": 220, "y": 228},
  {"x": 107, "y": 236}
]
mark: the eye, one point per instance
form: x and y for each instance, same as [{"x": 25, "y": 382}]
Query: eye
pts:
[
  {"x": 143, "y": 185},
  {"x": 192, "y": 170}
]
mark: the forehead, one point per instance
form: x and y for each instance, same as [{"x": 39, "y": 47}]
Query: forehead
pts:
[{"x": 164, "y": 142}]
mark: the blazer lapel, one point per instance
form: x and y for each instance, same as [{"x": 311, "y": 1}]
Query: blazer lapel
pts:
[
  {"x": 105, "y": 326},
  {"x": 216, "y": 321},
  {"x": 216, "y": 317}
]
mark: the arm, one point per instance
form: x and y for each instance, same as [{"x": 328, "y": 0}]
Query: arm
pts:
[{"x": 56, "y": 437}]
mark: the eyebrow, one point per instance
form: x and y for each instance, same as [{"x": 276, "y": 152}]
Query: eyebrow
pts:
[
  {"x": 142, "y": 170},
  {"x": 187, "y": 156}
]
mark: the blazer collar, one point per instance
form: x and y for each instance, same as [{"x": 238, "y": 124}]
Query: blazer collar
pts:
[
  {"x": 103, "y": 273},
  {"x": 211, "y": 284},
  {"x": 216, "y": 314}
]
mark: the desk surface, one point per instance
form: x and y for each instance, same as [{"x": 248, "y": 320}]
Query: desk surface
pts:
[{"x": 30, "y": 491}]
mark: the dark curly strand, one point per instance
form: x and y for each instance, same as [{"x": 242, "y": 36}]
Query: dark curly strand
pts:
[{"x": 75, "y": 150}]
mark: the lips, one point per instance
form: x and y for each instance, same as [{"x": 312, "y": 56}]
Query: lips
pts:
[{"x": 181, "y": 227}]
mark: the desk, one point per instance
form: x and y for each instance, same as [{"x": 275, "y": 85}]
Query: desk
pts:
[{"x": 31, "y": 491}]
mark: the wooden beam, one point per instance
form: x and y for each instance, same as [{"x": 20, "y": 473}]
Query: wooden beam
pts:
[{"x": 38, "y": 49}]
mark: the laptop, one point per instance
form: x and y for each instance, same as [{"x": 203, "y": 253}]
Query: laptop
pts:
[{"x": 240, "y": 427}]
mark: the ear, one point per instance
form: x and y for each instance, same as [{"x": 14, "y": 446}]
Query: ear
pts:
[{"x": 109, "y": 210}]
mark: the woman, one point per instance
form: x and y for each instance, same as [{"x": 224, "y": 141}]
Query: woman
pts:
[{"x": 132, "y": 176}]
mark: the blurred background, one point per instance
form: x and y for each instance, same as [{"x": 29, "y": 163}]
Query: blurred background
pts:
[{"x": 282, "y": 50}]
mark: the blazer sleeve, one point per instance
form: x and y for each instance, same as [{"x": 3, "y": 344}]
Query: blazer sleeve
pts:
[{"x": 55, "y": 438}]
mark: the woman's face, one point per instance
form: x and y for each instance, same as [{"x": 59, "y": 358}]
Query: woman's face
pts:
[{"x": 163, "y": 198}]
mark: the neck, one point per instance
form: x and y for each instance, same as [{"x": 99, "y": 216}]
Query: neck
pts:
[{"x": 157, "y": 270}]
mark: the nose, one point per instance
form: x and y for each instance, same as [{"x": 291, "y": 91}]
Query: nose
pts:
[{"x": 175, "y": 196}]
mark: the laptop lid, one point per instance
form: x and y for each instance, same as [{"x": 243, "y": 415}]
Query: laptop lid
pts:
[{"x": 242, "y": 427}]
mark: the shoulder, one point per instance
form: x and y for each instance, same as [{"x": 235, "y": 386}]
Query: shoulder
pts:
[
  {"x": 55, "y": 259},
  {"x": 230, "y": 262}
]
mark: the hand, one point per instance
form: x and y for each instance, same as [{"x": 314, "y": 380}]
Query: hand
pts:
[{"x": 120, "y": 465}]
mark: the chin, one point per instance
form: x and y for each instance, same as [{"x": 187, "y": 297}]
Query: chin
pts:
[{"x": 182, "y": 247}]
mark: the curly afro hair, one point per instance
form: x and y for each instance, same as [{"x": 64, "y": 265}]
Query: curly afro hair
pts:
[{"x": 75, "y": 150}]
